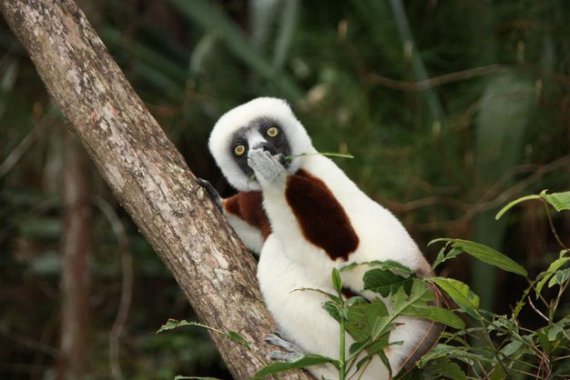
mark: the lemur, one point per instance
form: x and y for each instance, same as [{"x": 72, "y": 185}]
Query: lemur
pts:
[{"x": 304, "y": 216}]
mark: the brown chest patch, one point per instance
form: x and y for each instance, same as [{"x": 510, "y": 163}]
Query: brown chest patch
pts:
[
  {"x": 248, "y": 205},
  {"x": 322, "y": 218}
]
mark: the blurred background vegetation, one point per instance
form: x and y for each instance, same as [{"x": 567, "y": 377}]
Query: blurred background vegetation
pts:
[{"x": 450, "y": 108}]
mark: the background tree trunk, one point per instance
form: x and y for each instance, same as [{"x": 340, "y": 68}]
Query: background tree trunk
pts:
[
  {"x": 147, "y": 175},
  {"x": 76, "y": 249}
]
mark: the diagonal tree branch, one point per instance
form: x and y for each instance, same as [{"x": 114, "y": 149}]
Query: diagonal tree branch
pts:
[{"x": 147, "y": 175}]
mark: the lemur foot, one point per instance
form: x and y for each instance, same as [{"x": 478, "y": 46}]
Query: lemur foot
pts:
[
  {"x": 267, "y": 168},
  {"x": 280, "y": 356},
  {"x": 211, "y": 190},
  {"x": 293, "y": 352}
]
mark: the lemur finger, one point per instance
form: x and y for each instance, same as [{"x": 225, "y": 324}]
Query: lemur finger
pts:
[
  {"x": 265, "y": 165},
  {"x": 281, "y": 356},
  {"x": 276, "y": 340}
]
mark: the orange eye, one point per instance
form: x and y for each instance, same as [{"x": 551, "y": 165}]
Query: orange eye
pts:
[
  {"x": 239, "y": 150},
  {"x": 272, "y": 132}
]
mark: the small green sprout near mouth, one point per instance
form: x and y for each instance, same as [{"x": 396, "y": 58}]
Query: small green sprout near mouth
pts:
[
  {"x": 290, "y": 158},
  {"x": 326, "y": 154}
]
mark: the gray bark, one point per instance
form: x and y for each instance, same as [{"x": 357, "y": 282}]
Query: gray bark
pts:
[{"x": 147, "y": 175}]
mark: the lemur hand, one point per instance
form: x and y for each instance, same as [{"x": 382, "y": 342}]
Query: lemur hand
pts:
[
  {"x": 211, "y": 190},
  {"x": 267, "y": 168},
  {"x": 292, "y": 351}
]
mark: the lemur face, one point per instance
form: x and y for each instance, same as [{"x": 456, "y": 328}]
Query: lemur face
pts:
[
  {"x": 265, "y": 123},
  {"x": 261, "y": 133}
]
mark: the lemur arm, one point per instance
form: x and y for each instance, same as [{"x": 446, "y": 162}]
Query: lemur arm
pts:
[{"x": 245, "y": 214}]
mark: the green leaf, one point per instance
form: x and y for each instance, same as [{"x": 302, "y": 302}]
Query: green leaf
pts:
[
  {"x": 390, "y": 265},
  {"x": 459, "y": 293},
  {"x": 172, "y": 324},
  {"x": 354, "y": 347},
  {"x": 502, "y": 324},
  {"x": 179, "y": 377},
  {"x": 442, "y": 257},
  {"x": 356, "y": 300},
  {"x": 562, "y": 371},
  {"x": 441, "y": 351},
  {"x": 514, "y": 203},
  {"x": 488, "y": 255},
  {"x": 560, "y": 201},
  {"x": 511, "y": 348},
  {"x": 337, "y": 281},
  {"x": 444, "y": 369},
  {"x": 436, "y": 314},
  {"x": 367, "y": 358},
  {"x": 235, "y": 337},
  {"x": 362, "y": 318},
  {"x": 379, "y": 327},
  {"x": 559, "y": 277},
  {"x": 553, "y": 331},
  {"x": 548, "y": 273},
  {"x": 330, "y": 296},
  {"x": 386, "y": 362},
  {"x": 498, "y": 373},
  {"x": 303, "y": 362},
  {"x": 333, "y": 310},
  {"x": 383, "y": 281}
]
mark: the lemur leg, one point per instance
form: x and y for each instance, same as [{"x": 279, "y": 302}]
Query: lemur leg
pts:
[
  {"x": 276, "y": 340},
  {"x": 293, "y": 352}
]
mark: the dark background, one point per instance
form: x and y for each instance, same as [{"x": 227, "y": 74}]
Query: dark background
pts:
[{"x": 450, "y": 108}]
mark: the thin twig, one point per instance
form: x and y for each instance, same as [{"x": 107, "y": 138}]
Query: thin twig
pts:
[
  {"x": 538, "y": 310},
  {"x": 18, "y": 152},
  {"x": 435, "y": 81},
  {"x": 557, "y": 300},
  {"x": 495, "y": 196},
  {"x": 30, "y": 343},
  {"x": 552, "y": 228}
]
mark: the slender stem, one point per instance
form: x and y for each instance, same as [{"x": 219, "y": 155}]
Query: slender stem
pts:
[
  {"x": 552, "y": 228},
  {"x": 554, "y": 307},
  {"x": 326, "y": 154},
  {"x": 538, "y": 311},
  {"x": 341, "y": 356},
  {"x": 489, "y": 341}
]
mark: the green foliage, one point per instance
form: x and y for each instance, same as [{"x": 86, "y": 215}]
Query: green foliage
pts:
[
  {"x": 483, "y": 253},
  {"x": 560, "y": 201},
  {"x": 303, "y": 362},
  {"x": 490, "y": 346},
  {"x": 232, "y": 335},
  {"x": 207, "y": 16},
  {"x": 499, "y": 347}
]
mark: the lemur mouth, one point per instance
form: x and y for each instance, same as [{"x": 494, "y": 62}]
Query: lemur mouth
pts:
[{"x": 285, "y": 161}]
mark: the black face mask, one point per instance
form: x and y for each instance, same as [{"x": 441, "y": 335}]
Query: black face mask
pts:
[{"x": 277, "y": 144}]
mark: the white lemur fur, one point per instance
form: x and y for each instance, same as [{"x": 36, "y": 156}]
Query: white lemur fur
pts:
[{"x": 302, "y": 198}]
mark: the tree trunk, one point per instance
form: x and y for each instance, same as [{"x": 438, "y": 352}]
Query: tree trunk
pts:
[
  {"x": 147, "y": 175},
  {"x": 76, "y": 249}
]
